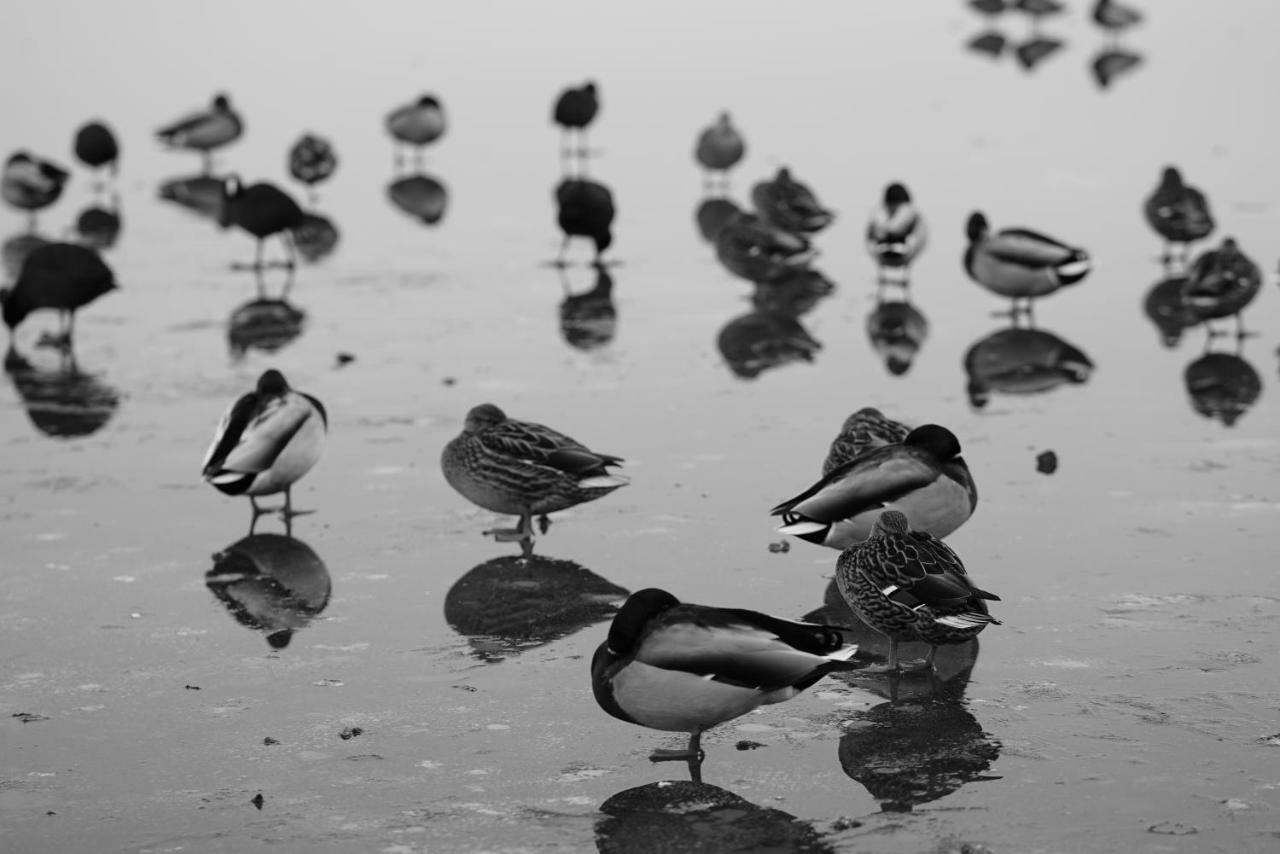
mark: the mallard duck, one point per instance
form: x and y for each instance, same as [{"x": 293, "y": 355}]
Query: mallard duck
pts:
[
  {"x": 863, "y": 431},
  {"x": 417, "y": 124},
  {"x": 713, "y": 214},
  {"x": 720, "y": 146},
  {"x": 95, "y": 146},
  {"x": 1022, "y": 361},
  {"x": 909, "y": 585},
  {"x": 204, "y": 130},
  {"x": 265, "y": 443},
  {"x": 262, "y": 209},
  {"x": 1038, "y": 9},
  {"x": 574, "y": 110},
  {"x": 896, "y": 233},
  {"x": 1222, "y": 282},
  {"x": 686, "y": 668},
  {"x": 312, "y": 159},
  {"x": 61, "y": 276},
  {"x": 897, "y": 330},
  {"x": 524, "y": 469},
  {"x": 31, "y": 183},
  {"x": 788, "y": 204},
  {"x": 1115, "y": 17},
  {"x": 1178, "y": 212},
  {"x": 924, "y": 477},
  {"x": 584, "y": 208},
  {"x": 1019, "y": 263},
  {"x": 760, "y": 252},
  {"x": 420, "y": 196}
]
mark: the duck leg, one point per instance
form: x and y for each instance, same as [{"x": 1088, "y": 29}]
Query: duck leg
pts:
[
  {"x": 287, "y": 512},
  {"x": 207, "y": 161},
  {"x": 692, "y": 753},
  {"x": 522, "y": 533}
]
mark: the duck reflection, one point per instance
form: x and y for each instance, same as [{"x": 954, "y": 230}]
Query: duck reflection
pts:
[
  {"x": 98, "y": 226},
  {"x": 1222, "y": 386},
  {"x": 1112, "y": 63},
  {"x": 421, "y": 196},
  {"x": 1165, "y": 307},
  {"x": 63, "y": 402},
  {"x": 588, "y": 320},
  {"x": 679, "y": 816},
  {"x": 912, "y": 753},
  {"x": 1036, "y": 50},
  {"x": 713, "y": 214},
  {"x": 271, "y": 583},
  {"x": 315, "y": 237},
  {"x": 509, "y": 604},
  {"x": 263, "y": 324},
  {"x": 1022, "y": 361},
  {"x": 897, "y": 330},
  {"x": 200, "y": 194},
  {"x": 760, "y": 340},
  {"x": 14, "y": 251},
  {"x": 796, "y": 293},
  {"x": 988, "y": 43}
]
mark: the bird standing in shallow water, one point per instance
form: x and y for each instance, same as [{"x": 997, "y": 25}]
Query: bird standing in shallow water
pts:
[
  {"x": 584, "y": 208},
  {"x": 574, "y": 111},
  {"x": 720, "y": 147},
  {"x": 31, "y": 184},
  {"x": 61, "y": 276},
  {"x": 1222, "y": 282},
  {"x": 418, "y": 124},
  {"x": 265, "y": 443},
  {"x": 789, "y": 204},
  {"x": 1179, "y": 213},
  {"x": 1019, "y": 263},
  {"x": 205, "y": 130},
  {"x": 261, "y": 209},
  {"x": 96, "y": 147},
  {"x": 908, "y": 586},
  {"x": 924, "y": 477},
  {"x": 523, "y": 469},
  {"x": 896, "y": 233},
  {"x": 686, "y": 668}
]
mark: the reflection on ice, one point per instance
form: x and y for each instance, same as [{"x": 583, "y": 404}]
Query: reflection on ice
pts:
[
  {"x": 1021, "y": 361},
  {"x": 263, "y": 324},
  {"x": 759, "y": 340},
  {"x": 63, "y": 402},
  {"x": 420, "y": 196},
  {"x": 588, "y": 320},
  {"x": 271, "y": 583}
]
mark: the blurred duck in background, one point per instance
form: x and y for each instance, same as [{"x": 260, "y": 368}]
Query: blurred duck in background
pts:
[
  {"x": 719, "y": 149},
  {"x": 417, "y": 124},
  {"x": 1019, "y": 263},
  {"x": 584, "y": 208},
  {"x": 312, "y": 160},
  {"x": 896, "y": 234},
  {"x": 574, "y": 111},
  {"x": 31, "y": 184},
  {"x": 263, "y": 210},
  {"x": 789, "y": 204},
  {"x": 1222, "y": 282},
  {"x": 61, "y": 276},
  {"x": 205, "y": 130},
  {"x": 96, "y": 147},
  {"x": 1179, "y": 213}
]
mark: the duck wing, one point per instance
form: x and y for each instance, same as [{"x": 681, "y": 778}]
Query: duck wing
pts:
[
  {"x": 536, "y": 443},
  {"x": 254, "y": 432},
  {"x": 187, "y": 123},
  {"x": 737, "y": 647},
  {"x": 1027, "y": 248},
  {"x": 868, "y": 481}
]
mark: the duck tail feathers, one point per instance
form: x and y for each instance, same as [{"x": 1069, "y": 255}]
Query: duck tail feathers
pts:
[
  {"x": 604, "y": 481},
  {"x": 969, "y": 620}
]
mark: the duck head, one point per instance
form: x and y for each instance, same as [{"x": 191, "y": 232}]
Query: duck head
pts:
[
  {"x": 429, "y": 101},
  {"x": 221, "y": 102},
  {"x": 1170, "y": 178},
  {"x": 272, "y": 382},
  {"x": 977, "y": 227},
  {"x": 482, "y": 416},
  {"x": 895, "y": 196},
  {"x": 935, "y": 439},
  {"x": 231, "y": 190},
  {"x": 628, "y": 624}
]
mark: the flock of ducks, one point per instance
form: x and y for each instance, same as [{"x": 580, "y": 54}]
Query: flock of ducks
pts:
[{"x": 888, "y": 494}]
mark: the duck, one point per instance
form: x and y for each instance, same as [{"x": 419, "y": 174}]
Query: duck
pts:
[
  {"x": 1112, "y": 63},
  {"x": 680, "y": 667},
  {"x": 263, "y": 210},
  {"x": 1019, "y": 263},
  {"x": 759, "y": 252},
  {"x": 524, "y": 469},
  {"x": 418, "y": 124},
  {"x": 896, "y": 233},
  {"x": 1115, "y": 17},
  {"x": 62, "y": 276},
  {"x": 924, "y": 476},
  {"x": 1222, "y": 282},
  {"x": 713, "y": 214},
  {"x": 96, "y": 146},
  {"x": 31, "y": 183},
  {"x": 205, "y": 130},
  {"x": 312, "y": 159},
  {"x": 267, "y": 440},
  {"x": 1179, "y": 213},
  {"x": 897, "y": 330},
  {"x": 575, "y": 109},
  {"x": 909, "y": 585},
  {"x": 584, "y": 208},
  {"x": 788, "y": 204},
  {"x": 720, "y": 146},
  {"x": 1038, "y": 9},
  {"x": 865, "y": 430}
]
